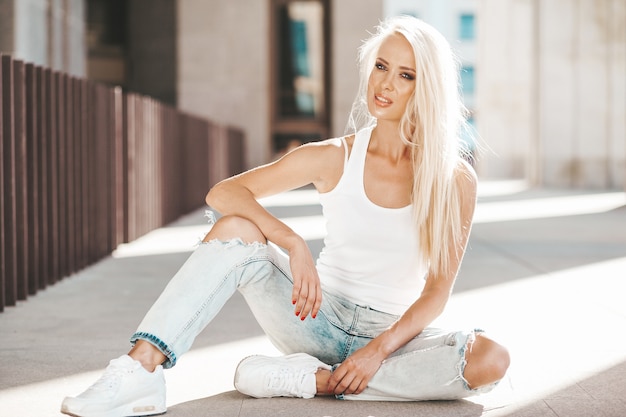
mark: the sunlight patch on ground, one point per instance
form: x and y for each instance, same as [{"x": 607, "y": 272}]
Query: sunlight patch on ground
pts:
[
  {"x": 501, "y": 188},
  {"x": 199, "y": 373},
  {"x": 551, "y": 324},
  {"x": 548, "y": 207},
  {"x": 163, "y": 241}
]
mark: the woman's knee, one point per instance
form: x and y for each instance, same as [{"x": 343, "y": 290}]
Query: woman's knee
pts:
[
  {"x": 231, "y": 227},
  {"x": 487, "y": 362}
]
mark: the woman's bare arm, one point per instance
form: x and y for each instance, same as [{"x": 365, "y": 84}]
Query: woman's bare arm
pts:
[{"x": 320, "y": 164}]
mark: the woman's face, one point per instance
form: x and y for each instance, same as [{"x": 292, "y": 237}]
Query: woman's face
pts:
[{"x": 392, "y": 80}]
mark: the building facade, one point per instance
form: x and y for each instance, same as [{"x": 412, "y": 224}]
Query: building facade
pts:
[
  {"x": 50, "y": 33},
  {"x": 551, "y": 95},
  {"x": 544, "y": 80}
]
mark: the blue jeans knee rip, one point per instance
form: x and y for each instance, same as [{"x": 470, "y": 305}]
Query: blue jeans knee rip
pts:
[{"x": 467, "y": 346}]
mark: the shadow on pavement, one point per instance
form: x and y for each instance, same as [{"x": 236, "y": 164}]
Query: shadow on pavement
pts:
[{"x": 232, "y": 403}]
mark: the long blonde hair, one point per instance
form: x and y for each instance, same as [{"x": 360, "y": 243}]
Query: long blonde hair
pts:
[{"x": 431, "y": 126}]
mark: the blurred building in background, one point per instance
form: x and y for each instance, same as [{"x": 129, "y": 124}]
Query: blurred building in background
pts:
[
  {"x": 50, "y": 33},
  {"x": 551, "y": 91},
  {"x": 544, "y": 80}
]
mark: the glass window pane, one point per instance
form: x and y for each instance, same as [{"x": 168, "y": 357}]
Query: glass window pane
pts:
[
  {"x": 301, "y": 60},
  {"x": 466, "y": 27}
]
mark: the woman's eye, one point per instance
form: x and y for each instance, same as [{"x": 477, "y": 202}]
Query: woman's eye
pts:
[
  {"x": 380, "y": 66},
  {"x": 408, "y": 76}
]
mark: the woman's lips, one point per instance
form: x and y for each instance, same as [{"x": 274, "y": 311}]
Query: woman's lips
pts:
[{"x": 382, "y": 100}]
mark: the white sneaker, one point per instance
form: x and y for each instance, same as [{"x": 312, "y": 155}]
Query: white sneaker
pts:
[
  {"x": 287, "y": 376},
  {"x": 125, "y": 389}
]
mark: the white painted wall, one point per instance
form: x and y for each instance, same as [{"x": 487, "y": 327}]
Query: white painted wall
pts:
[{"x": 552, "y": 91}]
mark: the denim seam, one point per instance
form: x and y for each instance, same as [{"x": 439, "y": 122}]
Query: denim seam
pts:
[{"x": 159, "y": 344}]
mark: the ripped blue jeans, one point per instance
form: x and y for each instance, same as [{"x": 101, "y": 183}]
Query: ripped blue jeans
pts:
[{"x": 430, "y": 367}]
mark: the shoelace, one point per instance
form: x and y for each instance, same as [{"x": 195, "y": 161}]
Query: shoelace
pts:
[
  {"x": 110, "y": 380},
  {"x": 287, "y": 380}
]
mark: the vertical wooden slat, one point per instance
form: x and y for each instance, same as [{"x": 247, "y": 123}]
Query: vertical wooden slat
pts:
[
  {"x": 137, "y": 191},
  {"x": 106, "y": 176},
  {"x": 99, "y": 166},
  {"x": 196, "y": 162},
  {"x": 153, "y": 149},
  {"x": 118, "y": 166},
  {"x": 94, "y": 157},
  {"x": 70, "y": 159},
  {"x": 86, "y": 133},
  {"x": 53, "y": 177},
  {"x": 144, "y": 162},
  {"x": 61, "y": 175},
  {"x": 235, "y": 151},
  {"x": 78, "y": 172},
  {"x": 172, "y": 173},
  {"x": 156, "y": 145},
  {"x": 33, "y": 174},
  {"x": 146, "y": 188},
  {"x": 8, "y": 162},
  {"x": 21, "y": 184},
  {"x": 129, "y": 187},
  {"x": 42, "y": 187},
  {"x": 94, "y": 210},
  {"x": 113, "y": 143},
  {"x": 3, "y": 103},
  {"x": 110, "y": 178}
]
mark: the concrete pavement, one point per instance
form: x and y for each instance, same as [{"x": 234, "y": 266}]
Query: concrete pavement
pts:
[{"x": 545, "y": 273}]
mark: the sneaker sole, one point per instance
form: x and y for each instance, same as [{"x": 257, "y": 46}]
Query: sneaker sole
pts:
[{"x": 126, "y": 411}]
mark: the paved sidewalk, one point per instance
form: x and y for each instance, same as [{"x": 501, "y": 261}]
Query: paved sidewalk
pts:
[{"x": 545, "y": 274}]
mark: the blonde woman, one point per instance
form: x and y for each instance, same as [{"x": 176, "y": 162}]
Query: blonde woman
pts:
[{"x": 398, "y": 200}]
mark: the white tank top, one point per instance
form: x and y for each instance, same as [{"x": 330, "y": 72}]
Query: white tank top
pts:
[{"x": 371, "y": 253}]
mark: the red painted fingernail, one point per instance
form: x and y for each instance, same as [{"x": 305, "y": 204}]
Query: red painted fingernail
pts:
[
  {"x": 293, "y": 302},
  {"x": 297, "y": 313},
  {"x": 314, "y": 315},
  {"x": 302, "y": 318}
]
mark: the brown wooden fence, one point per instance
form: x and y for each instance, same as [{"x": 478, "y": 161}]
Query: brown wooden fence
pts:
[{"x": 85, "y": 167}]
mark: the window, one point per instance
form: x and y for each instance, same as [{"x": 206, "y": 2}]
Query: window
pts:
[
  {"x": 300, "y": 83},
  {"x": 300, "y": 60},
  {"x": 467, "y": 79},
  {"x": 466, "y": 27}
]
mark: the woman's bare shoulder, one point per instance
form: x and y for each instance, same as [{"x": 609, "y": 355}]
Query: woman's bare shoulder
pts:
[
  {"x": 327, "y": 158},
  {"x": 332, "y": 145},
  {"x": 465, "y": 175},
  {"x": 466, "y": 182},
  {"x": 329, "y": 151}
]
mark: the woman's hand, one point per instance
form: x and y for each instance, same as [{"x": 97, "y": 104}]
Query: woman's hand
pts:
[
  {"x": 307, "y": 291},
  {"x": 353, "y": 375}
]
